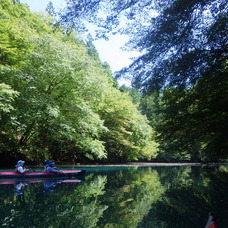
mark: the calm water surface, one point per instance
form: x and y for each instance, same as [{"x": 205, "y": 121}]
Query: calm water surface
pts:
[{"x": 120, "y": 197}]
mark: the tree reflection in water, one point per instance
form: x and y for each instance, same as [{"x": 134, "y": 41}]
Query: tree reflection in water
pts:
[{"x": 132, "y": 198}]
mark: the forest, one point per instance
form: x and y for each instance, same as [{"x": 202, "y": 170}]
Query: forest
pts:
[{"x": 59, "y": 101}]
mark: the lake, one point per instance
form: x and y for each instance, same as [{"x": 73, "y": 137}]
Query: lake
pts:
[{"x": 119, "y": 197}]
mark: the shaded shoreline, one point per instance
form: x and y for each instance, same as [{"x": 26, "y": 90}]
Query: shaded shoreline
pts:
[
  {"x": 135, "y": 164},
  {"x": 147, "y": 164}
]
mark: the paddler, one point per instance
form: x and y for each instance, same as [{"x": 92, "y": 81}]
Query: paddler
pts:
[
  {"x": 20, "y": 167},
  {"x": 49, "y": 167}
]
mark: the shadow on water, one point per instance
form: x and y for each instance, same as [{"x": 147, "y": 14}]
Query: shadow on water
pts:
[{"x": 162, "y": 197}]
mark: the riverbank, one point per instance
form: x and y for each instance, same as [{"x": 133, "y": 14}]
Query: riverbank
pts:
[
  {"x": 147, "y": 164},
  {"x": 137, "y": 164}
]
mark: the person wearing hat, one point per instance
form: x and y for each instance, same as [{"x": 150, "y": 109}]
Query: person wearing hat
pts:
[
  {"x": 49, "y": 167},
  {"x": 20, "y": 167}
]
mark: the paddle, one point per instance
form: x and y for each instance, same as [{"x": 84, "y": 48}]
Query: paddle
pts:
[
  {"x": 59, "y": 170},
  {"x": 30, "y": 169}
]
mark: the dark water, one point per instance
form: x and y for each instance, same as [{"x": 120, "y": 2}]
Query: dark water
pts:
[{"x": 164, "y": 197}]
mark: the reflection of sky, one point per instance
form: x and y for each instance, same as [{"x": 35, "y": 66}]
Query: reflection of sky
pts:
[{"x": 109, "y": 51}]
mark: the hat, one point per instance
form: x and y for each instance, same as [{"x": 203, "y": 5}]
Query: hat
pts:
[
  {"x": 49, "y": 162},
  {"x": 20, "y": 163}
]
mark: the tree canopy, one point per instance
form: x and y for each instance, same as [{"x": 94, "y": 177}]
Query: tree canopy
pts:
[
  {"x": 58, "y": 100},
  {"x": 181, "y": 71},
  {"x": 177, "y": 38}
]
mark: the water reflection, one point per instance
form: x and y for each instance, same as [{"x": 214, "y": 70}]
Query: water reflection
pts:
[
  {"x": 48, "y": 186},
  {"x": 132, "y": 198},
  {"x": 129, "y": 197},
  {"x": 20, "y": 187}
]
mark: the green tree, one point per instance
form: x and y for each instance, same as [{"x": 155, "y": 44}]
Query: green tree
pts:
[
  {"x": 197, "y": 118},
  {"x": 7, "y": 96},
  {"x": 50, "y": 9},
  {"x": 17, "y": 26},
  {"x": 68, "y": 105},
  {"x": 129, "y": 137},
  {"x": 183, "y": 44}
]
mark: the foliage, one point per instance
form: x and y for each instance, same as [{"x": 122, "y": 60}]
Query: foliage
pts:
[
  {"x": 130, "y": 137},
  {"x": 64, "y": 102},
  {"x": 184, "y": 52},
  {"x": 7, "y": 96},
  {"x": 198, "y": 119},
  {"x": 134, "y": 94},
  {"x": 17, "y": 26}
]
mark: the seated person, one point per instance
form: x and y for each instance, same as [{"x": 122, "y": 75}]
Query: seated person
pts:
[
  {"x": 50, "y": 169},
  {"x": 20, "y": 167}
]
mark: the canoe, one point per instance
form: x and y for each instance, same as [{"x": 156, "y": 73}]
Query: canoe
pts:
[
  {"x": 37, "y": 174},
  {"x": 211, "y": 222}
]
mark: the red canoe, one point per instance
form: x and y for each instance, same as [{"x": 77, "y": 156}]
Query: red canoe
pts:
[
  {"x": 211, "y": 221},
  {"x": 64, "y": 173}
]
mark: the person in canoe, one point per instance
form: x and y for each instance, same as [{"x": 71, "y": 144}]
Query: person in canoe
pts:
[
  {"x": 20, "y": 167},
  {"x": 49, "y": 167}
]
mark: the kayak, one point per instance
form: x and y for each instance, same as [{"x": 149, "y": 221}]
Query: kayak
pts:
[{"x": 37, "y": 174}]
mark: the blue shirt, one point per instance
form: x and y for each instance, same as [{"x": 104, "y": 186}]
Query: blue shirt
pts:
[{"x": 50, "y": 169}]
